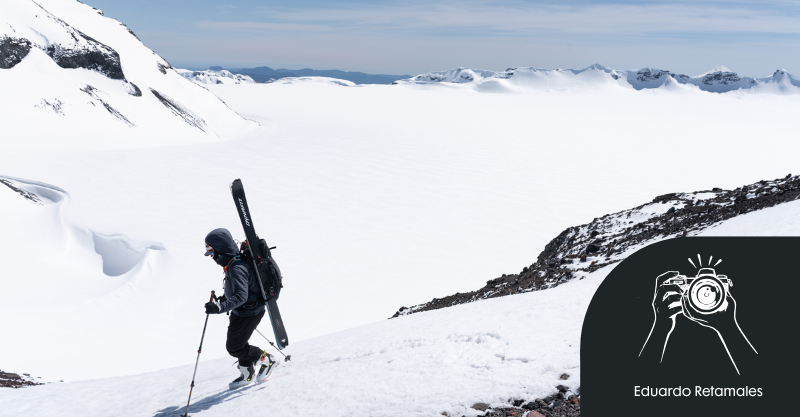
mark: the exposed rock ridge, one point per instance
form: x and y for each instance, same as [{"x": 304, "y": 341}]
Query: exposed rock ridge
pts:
[
  {"x": 11, "y": 380},
  {"x": 179, "y": 110},
  {"x": 611, "y": 238},
  {"x": 33, "y": 198},
  {"x": 13, "y": 51},
  {"x": 77, "y": 50}
]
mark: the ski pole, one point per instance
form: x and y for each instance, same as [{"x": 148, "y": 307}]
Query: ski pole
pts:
[
  {"x": 200, "y": 349},
  {"x": 288, "y": 358}
]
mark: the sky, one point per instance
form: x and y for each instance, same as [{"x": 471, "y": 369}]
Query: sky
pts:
[{"x": 412, "y": 37}]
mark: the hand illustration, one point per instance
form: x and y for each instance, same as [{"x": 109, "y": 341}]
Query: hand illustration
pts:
[
  {"x": 723, "y": 321},
  {"x": 666, "y": 305}
]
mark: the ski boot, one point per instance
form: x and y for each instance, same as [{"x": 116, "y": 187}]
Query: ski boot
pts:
[
  {"x": 247, "y": 376},
  {"x": 266, "y": 364}
]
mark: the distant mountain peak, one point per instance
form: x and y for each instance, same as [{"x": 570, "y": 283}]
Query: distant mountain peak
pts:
[
  {"x": 211, "y": 76},
  {"x": 719, "y": 80},
  {"x": 717, "y": 69}
]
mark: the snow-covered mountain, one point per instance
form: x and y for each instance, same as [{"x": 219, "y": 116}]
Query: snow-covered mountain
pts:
[
  {"x": 68, "y": 71},
  {"x": 214, "y": 77},
  {"x": 718, "y": 80}
]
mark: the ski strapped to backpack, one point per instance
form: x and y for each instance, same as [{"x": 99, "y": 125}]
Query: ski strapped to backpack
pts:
[{"x": 260, "y": 259}]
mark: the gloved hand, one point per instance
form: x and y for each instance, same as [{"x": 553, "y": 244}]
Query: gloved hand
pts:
[
  {"x": 221, "y": 298},
  {"x": 213, "y": 307}
]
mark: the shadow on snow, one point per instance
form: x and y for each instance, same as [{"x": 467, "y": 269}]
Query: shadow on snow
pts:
[{"x": 204, "y": 404}]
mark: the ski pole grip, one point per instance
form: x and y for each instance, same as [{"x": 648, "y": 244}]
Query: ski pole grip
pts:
[{"x": 213, "y": 296}]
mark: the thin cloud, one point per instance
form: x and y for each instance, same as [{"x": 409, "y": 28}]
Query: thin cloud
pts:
[{"x": 482, "y": 19}]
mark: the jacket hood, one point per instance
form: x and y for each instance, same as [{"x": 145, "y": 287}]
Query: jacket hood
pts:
[{"x": 223, "y": 244}]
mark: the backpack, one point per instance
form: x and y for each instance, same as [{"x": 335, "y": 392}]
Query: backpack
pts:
[{"x": 267, "y": 269}]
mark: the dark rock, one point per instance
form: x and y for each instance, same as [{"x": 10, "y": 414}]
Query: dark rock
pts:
[
  {"x": 10, "y": 380},
  {"x": 13, "y": 51},
  {"x": 504, "y": 412},
  {"x": 594, "y": 233},
  {"x": 134, "y": 90},
  {"x": 92, "y": 92},
  {"x": 592, "y": 248},
  {"x": 190, "y": 118},
  {"x": 664, "y": 198},
  {"x": 480, "y": 406},
  {"x": 130, "y": 31},
  {"x": 98, "y": 57},
  {"x": 647, "y": 75},
  {"x": 720, "y": 77},
  {"x": 163, "y": 68},
  {"x": 33, "y": 198},
  {"x": 564, "y": 376},
  {"x": 562, "y": 388}
]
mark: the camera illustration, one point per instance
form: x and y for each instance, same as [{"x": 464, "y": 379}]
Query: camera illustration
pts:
[{"x": 706, "y": 292}]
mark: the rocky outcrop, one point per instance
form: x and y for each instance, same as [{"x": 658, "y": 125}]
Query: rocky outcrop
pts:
[
  {"x": 67, "y": 46},
  {"x": 92, "y": 92},
  {"x": 96, "y": 57},
  {"x": 33, "y": 198},
  {"x": 606, "y": 240},
  {"x": 179, "y": 110},
  {"x": 9, "y": 380},
  {"x": 564, "y": 403},
  {"x": 13, "y": 51}
]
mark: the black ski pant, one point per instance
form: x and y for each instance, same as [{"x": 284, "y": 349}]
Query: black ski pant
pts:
[{"x": 239, "y": 331}]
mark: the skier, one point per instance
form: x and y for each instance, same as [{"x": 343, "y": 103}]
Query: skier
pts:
[{"x": 241, "y": 298}]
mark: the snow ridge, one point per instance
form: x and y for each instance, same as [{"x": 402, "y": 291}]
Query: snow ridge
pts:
[{"x": 718, "y": 80}]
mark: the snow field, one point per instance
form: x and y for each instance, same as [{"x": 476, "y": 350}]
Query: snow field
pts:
[{"x": 376, "y": 196}]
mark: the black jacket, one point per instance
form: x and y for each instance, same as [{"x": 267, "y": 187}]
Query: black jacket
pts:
[{"x": 241, "y": 285}]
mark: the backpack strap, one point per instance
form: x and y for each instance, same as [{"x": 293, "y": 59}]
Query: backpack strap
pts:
[
  {"x": 235, "y": 258},
  {"x": 253, "y": 301}
]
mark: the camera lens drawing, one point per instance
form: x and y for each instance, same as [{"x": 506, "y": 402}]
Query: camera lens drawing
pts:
[{"x": 704, "y": 299}]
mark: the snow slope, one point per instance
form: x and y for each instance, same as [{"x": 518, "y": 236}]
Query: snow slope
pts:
[
  {"x": 413, "y": 366},
  {"x": 419, "y": 365},
  {"x": 74, "y": 79},
  {"x": 718, "y": 80}
]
